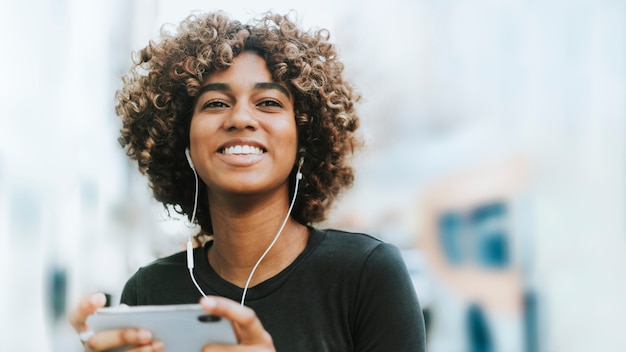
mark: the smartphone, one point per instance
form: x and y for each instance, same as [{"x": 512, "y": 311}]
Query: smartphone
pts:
[{"x": 181, "y": 327}]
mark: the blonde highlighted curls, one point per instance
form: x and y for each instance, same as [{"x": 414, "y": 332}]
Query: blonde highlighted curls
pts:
[{"x": 158, "y": 94}]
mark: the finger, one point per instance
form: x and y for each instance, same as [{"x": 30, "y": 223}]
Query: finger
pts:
[
  {"x": 248, "y": 327},
  {"x": 86, "y": 306},
  {"x": 236, "y": 348},
  {"x": 140, "y": 338},
  {"x": 156, "y": 346}
]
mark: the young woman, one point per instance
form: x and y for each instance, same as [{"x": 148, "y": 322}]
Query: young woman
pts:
[{"x": 247, "y": 130}]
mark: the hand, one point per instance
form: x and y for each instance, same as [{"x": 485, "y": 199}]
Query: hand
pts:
[
  {"x": 248, "y": 328},
  {"x": 106, "y": 340}
]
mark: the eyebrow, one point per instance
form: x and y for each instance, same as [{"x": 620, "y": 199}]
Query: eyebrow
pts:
[
  {"x": 272, "y": 85},
  {"x": 224, "y": 87}
]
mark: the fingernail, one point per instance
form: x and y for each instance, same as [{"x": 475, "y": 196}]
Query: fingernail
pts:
[
  {"x": 157, "y": 345},
  {"x": 99, "y": 299},
  {"x": 209, "y": 302},
  {"x": 144, "y": 335}
]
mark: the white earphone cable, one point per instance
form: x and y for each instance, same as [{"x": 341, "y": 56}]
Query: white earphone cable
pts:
[
  {"x": 293, "y": 201},
  {"x": 190, "y": 261}
]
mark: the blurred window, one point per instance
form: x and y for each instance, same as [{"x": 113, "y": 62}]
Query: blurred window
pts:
[{"x": 480, "y": 235}]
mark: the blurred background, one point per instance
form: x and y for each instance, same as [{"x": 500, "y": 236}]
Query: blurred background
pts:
[{"x": 495, "y": 159}]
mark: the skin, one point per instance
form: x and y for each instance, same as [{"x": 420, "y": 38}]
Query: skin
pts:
[{"x": 248, "y": 196}]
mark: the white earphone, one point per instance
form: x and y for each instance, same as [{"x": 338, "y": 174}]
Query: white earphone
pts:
[
  {"x": 190, "y": 262},
  {"x": 188, "y": 155}
]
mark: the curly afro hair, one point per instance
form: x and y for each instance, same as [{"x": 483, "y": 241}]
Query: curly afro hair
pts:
[{"x": 156, "y": 102}]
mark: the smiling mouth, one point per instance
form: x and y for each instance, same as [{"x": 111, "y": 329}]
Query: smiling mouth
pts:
[{"x": 242, "y": 150}]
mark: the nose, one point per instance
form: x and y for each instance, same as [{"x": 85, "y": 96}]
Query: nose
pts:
[{"x": 241, "y": 117}]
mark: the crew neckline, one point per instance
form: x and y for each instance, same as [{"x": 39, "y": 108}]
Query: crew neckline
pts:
[{"x": 208, "y": 278}]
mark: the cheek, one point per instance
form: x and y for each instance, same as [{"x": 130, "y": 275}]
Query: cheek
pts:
[
  {"x": 288, "y": 131},
  {"x": 193, "y": 129},
  {"x": 200, "y": 130},
  {"x": 289, "y": 142}
]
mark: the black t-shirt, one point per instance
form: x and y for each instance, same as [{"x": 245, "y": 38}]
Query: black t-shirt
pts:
[{"x": 344, "y": 292}]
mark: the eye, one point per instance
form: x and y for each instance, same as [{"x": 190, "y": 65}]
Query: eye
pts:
[
  {"x": 269, "y": 103},
  {"x": 214, "y": 104}
]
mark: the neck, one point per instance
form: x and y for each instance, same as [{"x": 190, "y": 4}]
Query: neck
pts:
[{"x": 243, "y": 233}]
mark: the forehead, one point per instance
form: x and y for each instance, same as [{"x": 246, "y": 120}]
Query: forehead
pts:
[{"x": 247, "y": 66}]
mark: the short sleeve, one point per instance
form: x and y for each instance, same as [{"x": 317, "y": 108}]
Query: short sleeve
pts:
[
  {"x": 129, "y": 292},
  {"x": 388, "y": 316}
]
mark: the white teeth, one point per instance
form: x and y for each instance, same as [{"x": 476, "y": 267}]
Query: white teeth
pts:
[{"x": 242, "y": 149}]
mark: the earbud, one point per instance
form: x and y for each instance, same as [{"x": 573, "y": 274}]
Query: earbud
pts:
[
  {"x": 300, "y": 163},
  {"x": 188, "y": 155}
]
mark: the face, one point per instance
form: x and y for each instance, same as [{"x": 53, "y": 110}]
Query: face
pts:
[{"x": 243, "y": 136}]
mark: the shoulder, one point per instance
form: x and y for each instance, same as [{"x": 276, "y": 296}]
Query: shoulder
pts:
[
  {"x": 355, "y": 246},
  {"x": 159, "y": 268},
  {"x": 159, "y": 282},
  {"x": 350, "y": 239},
  {"x": 174, "y": 260}
]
